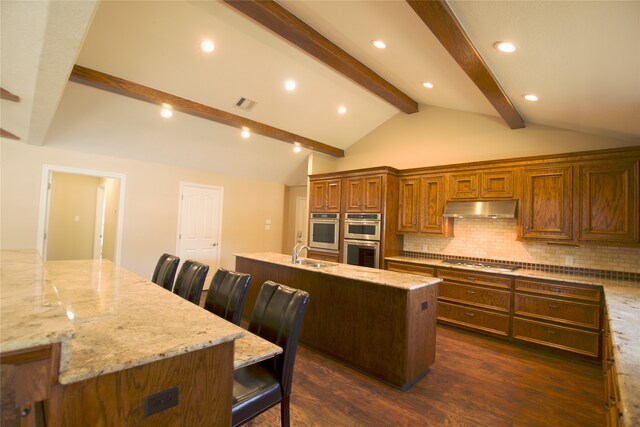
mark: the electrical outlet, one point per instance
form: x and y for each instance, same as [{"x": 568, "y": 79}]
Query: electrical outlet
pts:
[
  {"x": 160, "y": 401},
  {"x": 425, "y": 248},
  {"x": 568, "y": 260}
]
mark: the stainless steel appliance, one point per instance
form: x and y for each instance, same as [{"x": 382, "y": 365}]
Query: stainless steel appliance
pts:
[
  {"x": 324, "y": 231},
  {"x": 362, "y": 239},
  {"x": 362, "y": 226},
  {"x": 365, "y": 253}
]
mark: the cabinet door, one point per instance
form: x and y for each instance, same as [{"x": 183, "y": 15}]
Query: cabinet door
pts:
[
  {"x": 318, "y": 196},
  {"x": 432, "y": 206},
  {"x": 497, "y": 184},
  {"x": 325, "y": 196},
  {"x": 609, "y": 202},
  {"x": 464, "y": 186},
  {"x": 353, "y": 187},
  {"x": 372, "y": 194},
  {"x": 409, "y": 196},
  {"x": 547, "y": 203},
  {"x": 333, "y": 195}
]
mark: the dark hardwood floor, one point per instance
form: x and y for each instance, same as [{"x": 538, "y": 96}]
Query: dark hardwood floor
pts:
[{"x": 476, "y": 381}]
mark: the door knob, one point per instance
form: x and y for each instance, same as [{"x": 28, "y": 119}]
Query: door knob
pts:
[{"x": 214, "y": 244}]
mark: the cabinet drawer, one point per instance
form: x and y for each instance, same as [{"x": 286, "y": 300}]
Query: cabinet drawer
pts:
[
  {"x": 583, "y": 342},
  {"x": 488, "y": 298},
  {"x": 324, "y": 256},
  {"x": 559, "y": 289},
  {"x": 471, "y": 317},
  {"x": 402, "y": 267},
  {"x": 475, "y": 278},
  {"x": 574, "y": 313}
]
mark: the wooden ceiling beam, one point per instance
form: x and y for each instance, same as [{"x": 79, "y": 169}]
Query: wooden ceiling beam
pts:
[
  {"x": 282, "y": 22},
  {"x": 5, "y": 94},
  {"x": 442, "y": 22},
  {"x": 9, "y": 135},
  {"x": 103, "y": 81}
]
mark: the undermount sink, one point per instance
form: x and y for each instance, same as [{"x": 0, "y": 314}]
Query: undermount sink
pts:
[{"x": 314, "y": 263}]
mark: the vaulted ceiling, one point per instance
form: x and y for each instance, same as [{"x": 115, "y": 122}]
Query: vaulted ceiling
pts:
[{"x": 581, "y": 58}]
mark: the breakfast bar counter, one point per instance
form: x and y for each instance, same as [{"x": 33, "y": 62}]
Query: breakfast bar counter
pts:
[{"x": 113, "y": 339}]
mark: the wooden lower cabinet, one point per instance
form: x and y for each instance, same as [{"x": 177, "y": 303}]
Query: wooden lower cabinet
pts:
[
  {"x": 29, "y": 386},
  {"x": 483, "y": 320},
  {"x": 559, "y": 315}
]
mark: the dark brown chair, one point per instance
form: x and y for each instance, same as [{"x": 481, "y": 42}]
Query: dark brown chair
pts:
[
  {"x": 190, "y": 280},
  {"x": 227, "y": 293},
  {"x": 277, "y": 317},
  {"x": 165, "y": 271}
]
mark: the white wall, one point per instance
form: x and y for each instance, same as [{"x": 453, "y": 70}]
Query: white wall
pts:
[{"x": 151, "y": 204}]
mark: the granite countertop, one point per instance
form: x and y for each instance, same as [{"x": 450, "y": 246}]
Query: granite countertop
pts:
[
  {"x": 109, "y": 318},
  {"x": 365, "y": 274},
  {"x": 252, "y": 349},
  {"x": 623, "y": 303}
]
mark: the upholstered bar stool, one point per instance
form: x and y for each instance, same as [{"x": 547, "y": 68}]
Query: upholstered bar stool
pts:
[
  {"x": 227, "y": 293},
  {"x": 165, "y": 271},
  {"x": 190, "y": 280},
  {"x": 277, "y": 317}
]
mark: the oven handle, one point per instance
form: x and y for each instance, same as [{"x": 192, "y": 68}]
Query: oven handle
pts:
[
  {"x": 362, "y": 242},
  {"x": 355, "y": 222}
]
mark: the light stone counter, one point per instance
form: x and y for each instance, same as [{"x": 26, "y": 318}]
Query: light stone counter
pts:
[
  {"x": 365, "y": 274},
  {"x": 623, "y": 303},
  {"x": 108, "y": 318}
]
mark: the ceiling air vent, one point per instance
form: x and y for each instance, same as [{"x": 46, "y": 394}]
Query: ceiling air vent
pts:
[{"x": 245, "y": 104}]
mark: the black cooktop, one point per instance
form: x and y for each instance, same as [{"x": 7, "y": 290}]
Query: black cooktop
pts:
[{"x": 481, "y": 265}]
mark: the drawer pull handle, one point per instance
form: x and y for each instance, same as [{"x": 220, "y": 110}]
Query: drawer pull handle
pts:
[
  {"x": 471, "y": 292},
  {"x": 473, "y": 279},
  {"x": 551, "y": 332},
  {"x": 610, "y": 362},
  {"x": 554, "y": 289},
  {"x": 554, "y": 306},
  {"x": 470, "y": 314}
]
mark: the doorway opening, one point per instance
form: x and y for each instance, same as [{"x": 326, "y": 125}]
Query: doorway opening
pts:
[{"x": 81, "y": 214}]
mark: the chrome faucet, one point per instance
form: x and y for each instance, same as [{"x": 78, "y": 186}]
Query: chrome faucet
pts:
[{"x": 296, "y": 252}]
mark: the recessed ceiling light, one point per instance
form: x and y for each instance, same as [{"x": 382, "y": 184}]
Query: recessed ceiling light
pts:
[
  {"x": 245, "y": 133},
  {"x": 530, "y": 97},
  {"x": 207, "y": 46},
  {"x": 342, "y": 109},
  {"x": 428, "y": 85},
  {"x": 379, "y": 44},
  {"x": 506, "y": 47},
  {"x": 296, "y": 147},
  {"x": 289, "y": 85},
  {"x": 166, "y": 113}
]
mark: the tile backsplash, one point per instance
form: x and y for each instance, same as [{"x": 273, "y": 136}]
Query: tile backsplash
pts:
[{"x": 496, "y": 240}]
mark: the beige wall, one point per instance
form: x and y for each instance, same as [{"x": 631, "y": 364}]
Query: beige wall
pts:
[
  {"x": 72, "y": 216},
  {"x": 151, "y": 204},
  {"x": 439, "y": 136}
]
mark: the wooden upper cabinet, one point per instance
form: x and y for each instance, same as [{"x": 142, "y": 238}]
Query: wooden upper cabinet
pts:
[
  {"x": 547, "y": 203},
  {"x": 608, "y": 205},
  {"x": 497, "y": 184},
  {"x": 364, "y": 194},
  {"x": 408, "y": 206},
  {"x": 421, "y": 206},
  {"x": 325, "y": 195},
  {"x": 463, "y": 186},
  {"x": 488, "y": 184},
  {"x": 432, "y": 203}
]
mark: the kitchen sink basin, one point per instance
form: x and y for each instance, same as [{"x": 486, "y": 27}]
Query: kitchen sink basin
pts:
[{"x": 314, "y": 263}]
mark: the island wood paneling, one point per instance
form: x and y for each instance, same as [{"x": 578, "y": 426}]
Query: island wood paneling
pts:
[
  {"x": 380, "y": 330},
  {"x": 204, "y": 378}
]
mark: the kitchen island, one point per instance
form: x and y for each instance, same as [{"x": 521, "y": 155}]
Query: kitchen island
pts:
[
  {"x": 94, "y": 341},
  {"x": 379, "y": 322}
]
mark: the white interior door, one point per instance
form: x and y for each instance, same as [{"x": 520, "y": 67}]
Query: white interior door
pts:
[
  {"x": 301, "y": 220},
  {"x": 98, "y": 238},
  {"x": 200, "y": 225}
]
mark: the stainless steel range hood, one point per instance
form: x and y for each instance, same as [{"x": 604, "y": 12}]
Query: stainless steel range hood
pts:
[{"x": 481, "y": 209}]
